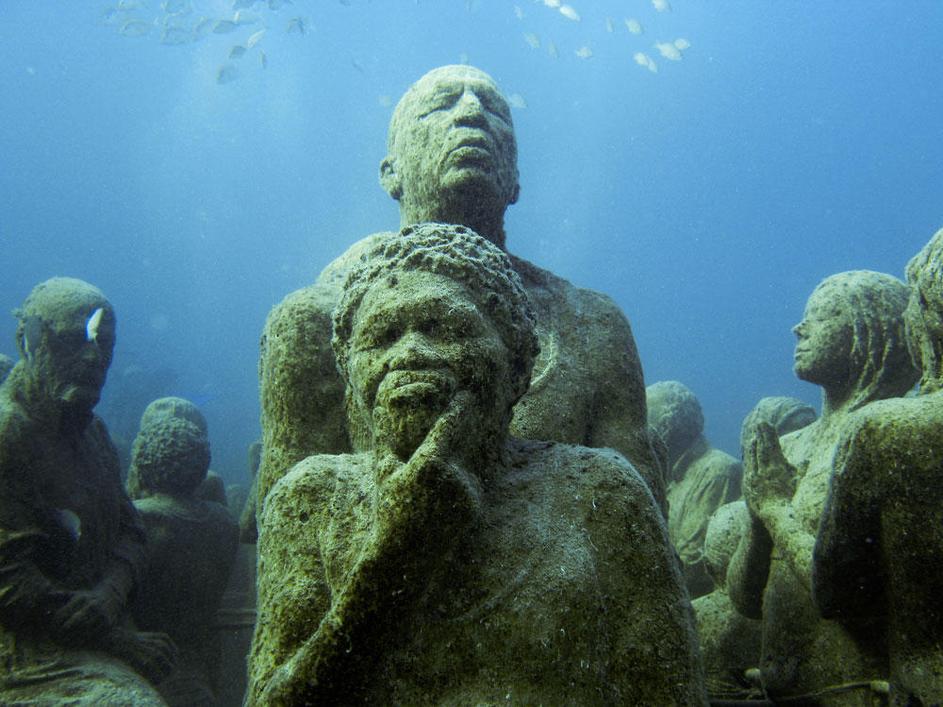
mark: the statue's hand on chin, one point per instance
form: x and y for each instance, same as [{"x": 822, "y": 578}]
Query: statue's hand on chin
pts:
[{"x": 431, "y": 484}]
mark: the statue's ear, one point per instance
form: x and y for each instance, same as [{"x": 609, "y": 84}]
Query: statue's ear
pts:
[{"x": 390, "y": 179}]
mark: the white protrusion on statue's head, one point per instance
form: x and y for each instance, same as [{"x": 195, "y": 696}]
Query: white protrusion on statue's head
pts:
[{"x": 91, "y": 326}]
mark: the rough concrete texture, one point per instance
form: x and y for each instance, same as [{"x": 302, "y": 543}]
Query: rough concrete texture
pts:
[
  {"x": 451, "y": 564},
  {"x": 783, "y": 413},
  {"x": 730, "y": 642},
  {"x": 453, "y": 158},
  {"x": 851, "y": 343},
  {"x": 700, "y": 478},
  {"x": 880, "y": 546},
  {"x": 71, "y": 546}
]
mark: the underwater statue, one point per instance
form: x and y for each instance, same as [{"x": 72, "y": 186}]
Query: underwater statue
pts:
[
  {"x": 784, "y": 414},
  {"x": 452, "y": 158},
  {"x": 700, "y": 478},
  {"x": 212, "y": 487},
  {"x": 851, "y": 343},
  {"x": 6, "y": 365},
  {"x": 879, "y": 552},
  {"x": 248, "y": 530},
  {"x": 451, "y": 563},
  {"x": 730, "y": 641},
  {"x": 71, "y": 543},
  {"x": 191, "y": 547}
]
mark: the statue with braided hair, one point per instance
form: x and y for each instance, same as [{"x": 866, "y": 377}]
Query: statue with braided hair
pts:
[
  {"x": 879, "y": 552},
  {"x": 450, "y": 563},
  {"x": 851, "y": 343}
]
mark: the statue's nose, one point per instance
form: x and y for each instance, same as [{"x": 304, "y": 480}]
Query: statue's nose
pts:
[{"x": 470, "y": 110}]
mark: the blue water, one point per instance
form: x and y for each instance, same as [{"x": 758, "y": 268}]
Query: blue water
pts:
[{"x": 792, "y": 141}]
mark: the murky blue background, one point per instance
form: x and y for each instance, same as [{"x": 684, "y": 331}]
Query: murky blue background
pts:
[{"x": 794, "y": 140}]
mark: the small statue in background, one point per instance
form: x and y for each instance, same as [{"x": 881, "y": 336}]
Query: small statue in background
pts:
[
  {"x": 191, "y": 549},
  {"x": 700, "y": 478},
  {"x": 784, "y": 414}
]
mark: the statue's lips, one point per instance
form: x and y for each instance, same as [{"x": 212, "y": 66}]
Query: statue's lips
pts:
[{"x": 402, "y": 386}]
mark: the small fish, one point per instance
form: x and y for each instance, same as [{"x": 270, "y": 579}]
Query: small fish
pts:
[
  {"x": 610, "y": 27},
  {"x": 584, "y": 52},
  {"x": 237, "y": 52},
  {"x": 682, "y": 44},
  {"x": 553, "y": 4},
  {"x": 176, "y": 7},
  {"x": 263, "y": 59},
  {"x": 516, "y": 100},
  {"x": 356, "y": 64},
  {"x": 224, "y": 27},
  {"x": 32, "y": 335},
  {"x": 568, "y": 12},
  {"x": 174, "y": 35},
  {"x": 254, "y": 39},
  {"x": 135, "y": 28},
  {"x": 533, "y": 41},
  {"x": 227, "y": 73},
  {"x": 91, "y": 326},
  {"x": 202, "y": 27},
  {"x": 552, "y": 50},
  {"x": 661, "y": 5},
  {"x": 643, "y": 59},
  {"x": 518, "y": 12},
  {"x": 668, "y": 50},
  {"x": 633, "y": 25},
  {"x": 246, "y": 18},
  {"x": 70, "y": 522},
  {"x": 296, "y": 24},
  {"x": 242, "y": 4}
]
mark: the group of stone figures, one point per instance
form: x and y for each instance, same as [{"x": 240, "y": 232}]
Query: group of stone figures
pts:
[{"x": 466, "y": 493}]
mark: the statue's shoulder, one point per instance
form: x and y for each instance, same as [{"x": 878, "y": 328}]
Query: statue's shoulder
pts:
[
  {"x": 309, "y": 487},
  {"x": 551, "y": 291},
  {"x": 322, "y": 295},
  {"x": 896, "y": 430},
  {"x": 335, "y": 274},
  {"x": 587, "y": 472}
]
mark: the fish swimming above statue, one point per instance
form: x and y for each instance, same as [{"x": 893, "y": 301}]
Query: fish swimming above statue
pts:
[
  {"x": 633, "y": 25},
  {"x": 254, "y": 39},
  {"x": 668, "y": 50},
  {"x": 533, "y": 41},
  {"x": 227, "y": 73},
  {"x": 568, "y": 12}
]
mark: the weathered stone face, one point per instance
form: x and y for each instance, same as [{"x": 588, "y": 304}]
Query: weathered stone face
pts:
[
  {"x": 851, "y": 339},
  {"x": 451, "y": 138},
  {"x": 415, "y": 342},
  {"x": 67, "y": 353},
  {"x": 824, "y": 338}
]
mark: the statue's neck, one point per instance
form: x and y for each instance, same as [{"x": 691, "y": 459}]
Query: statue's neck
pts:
[{"x": 478, "y": 215}]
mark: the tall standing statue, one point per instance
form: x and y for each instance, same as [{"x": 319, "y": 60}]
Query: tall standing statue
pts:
[
  {"x": 452, "y": 157},
  {"x": 700, "y": 478},
  {"x": 71, "y": 545},
  {"x": 879, "y": 551},
  {"x": 451, "y": 563},
  {"x": 851, "y": 343}
]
